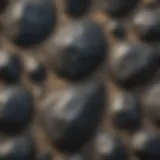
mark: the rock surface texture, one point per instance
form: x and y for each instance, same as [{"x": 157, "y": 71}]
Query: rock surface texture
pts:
[{"x": 79, "y": 80}]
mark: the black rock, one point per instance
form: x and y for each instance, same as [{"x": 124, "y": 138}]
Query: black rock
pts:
[
  {"x": 16, "y": 110},
  {"x": 125, "y": 110},
  {"x": 10, "y": 67},
  {"x": 117, "y": 29},
  {"x": 70, "y": 117},
  {"x": 147, "y": 24},
  {"x": 152, "y": 102},
  {"x": 35, "y": 70},
  {"x": 118, "y": 8},
  {"x": 109, "y": 146},
  {"x": 34, "y": 23},
  {"x": 132, "y": 64},
  {"x": 146, "y": 145},
  {"x": 158, "y": 50},
  {"x": 79, "y": 49},
  {"x": 76, "y": 8},
  {"x": 18, "y": 148},
  {"x": 3, "y": 5}
]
